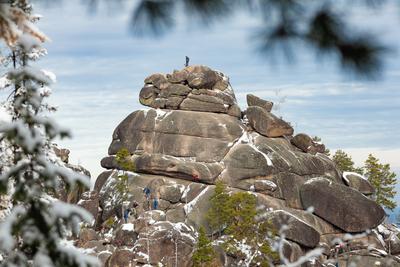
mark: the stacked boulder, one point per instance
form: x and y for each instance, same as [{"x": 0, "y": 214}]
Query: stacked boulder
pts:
[
  {"x": 195, "y": 134},
  {"x": 196, "y": 88}
]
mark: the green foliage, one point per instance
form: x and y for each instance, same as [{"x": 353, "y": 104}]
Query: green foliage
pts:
[
  {"x": 122, "y": 184},
  {"x": 344, "y": 162},
  {"x": 204, "y": 253},
  {"x": 237, "y": 216},
  {"x": 242, "y": 213},
  {"x": 125, "y": 162},
  {"x": 218, "y": 215},
  {"x": 110, "y": 222},
  {"x": 245, "y": 228},
  {"x": 384, "y": 181}
]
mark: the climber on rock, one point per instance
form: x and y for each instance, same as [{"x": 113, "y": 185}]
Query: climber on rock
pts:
[
  {"x": 126, "y": 214},
  {"x": 155, "y": 201},
  {"x": 147, "y": 192},
  {"x": 134, "y": 211}
]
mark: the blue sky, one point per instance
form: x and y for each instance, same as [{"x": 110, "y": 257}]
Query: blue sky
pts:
[{"x": 101, "y": 67}]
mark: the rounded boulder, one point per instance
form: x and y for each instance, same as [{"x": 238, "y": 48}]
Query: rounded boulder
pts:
[{"x": 340, "y": 205}]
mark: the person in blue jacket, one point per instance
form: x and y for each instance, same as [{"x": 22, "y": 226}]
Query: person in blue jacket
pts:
[
  {"x": 126, "y": 215},
  {"x": 155, "y": 203},
  {"x": 147, "y": 192}
]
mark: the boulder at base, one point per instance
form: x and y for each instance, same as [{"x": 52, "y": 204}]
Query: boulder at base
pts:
[
  {"x": 167, "y": 243},
  {"x": 296, "y": 230},
  {"x": 340, "y": 205}
]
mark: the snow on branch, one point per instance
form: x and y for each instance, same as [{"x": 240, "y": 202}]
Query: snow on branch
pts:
[
  {"x": 30, "y": 73},
  {"x": 71, "y": 178},
  {"x": 7, "y": 241},
  {"x": 14, "y": 23}
]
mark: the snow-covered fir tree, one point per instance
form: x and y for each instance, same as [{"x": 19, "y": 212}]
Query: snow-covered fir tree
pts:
[{"x": 36, "y": 230}]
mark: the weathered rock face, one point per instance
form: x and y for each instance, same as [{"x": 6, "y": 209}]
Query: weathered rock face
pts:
[
  {"x": 167, "y": 243},
  {"x": 297, "y": 230},
  {"x": 193, "y": 136},
  {"x": 359, "y": 183},
  {"x": 196, "y": 88},
  {"x": 266, "y": 123},
  {"x": 86, "y": 235},
  {"x": 306, "y": 144},
  {"x": 90, "y": 202},
  {"x": 125, "y": 235},
  {"x": 185, "y": 134},
  {"x": 200, "y": 146},
  {"x": 121, "y": 257},
  {"x": 253, "y": 100},
  {"x": 340, "y": 205},
  {"x": 62, "y": 153}
]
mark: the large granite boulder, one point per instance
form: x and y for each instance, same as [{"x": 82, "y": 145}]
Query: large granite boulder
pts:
[
  {"x": 120, "y": 258},
  {"x": 362, "y": 258},
  {"x": 289, "y": 185},
  {"x": 90, "y": 202},
  {"x": 296, "y": 229},
  {"x": 307, "y": 144},
  {"x": 169, "y": 242},
  {"x": 256, "y": 156},
  {"x": 125, "y": 235},
  {"x": 266, "y": 123},
  {"x": 253, "y": 100},
  {"x": 340, "y": 205},
  {"x": 86, "y": 235},
  {"x": 358, "y": 182},
  {"x": 171, "y": 193},
  {"x": 186, "y": 134}
]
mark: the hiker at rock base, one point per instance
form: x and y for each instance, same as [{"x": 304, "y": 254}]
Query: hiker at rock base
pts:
[
  {"x": 155, "y": 201},
  {"x": 147, "y": 192},
  {"x": 134, "y": 211},
  {"x": 126, "y": 214}
]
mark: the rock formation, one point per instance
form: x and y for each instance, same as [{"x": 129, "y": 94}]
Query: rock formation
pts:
[{"x": 195, "y": 134}]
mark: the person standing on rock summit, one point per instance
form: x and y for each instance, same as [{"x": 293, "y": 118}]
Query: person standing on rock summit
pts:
[{"x": 187, "y": 61}]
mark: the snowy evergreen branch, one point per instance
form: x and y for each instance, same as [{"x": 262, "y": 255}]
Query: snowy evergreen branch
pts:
[{"x": 34, "y": 231}]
